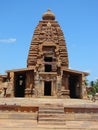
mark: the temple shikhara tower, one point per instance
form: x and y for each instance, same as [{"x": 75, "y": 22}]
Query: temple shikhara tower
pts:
[{"x": 47, "y": 73}]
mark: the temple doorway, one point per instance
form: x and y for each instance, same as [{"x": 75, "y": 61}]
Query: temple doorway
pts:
[
  {"x": 74, "y": 86},
  {"x": 19, "y": 90},
  {"x": 47, "y": 88}
]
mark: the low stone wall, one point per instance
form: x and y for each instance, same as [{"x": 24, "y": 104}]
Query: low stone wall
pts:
[
  {"x": 80, "y": 110},
  {"x": 17, "y": 108}
]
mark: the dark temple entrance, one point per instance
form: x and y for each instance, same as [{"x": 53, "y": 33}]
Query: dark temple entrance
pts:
[
  {"x": 19, "y": 90},
  {"x": 47, "y": 88},
  {"x": 74, "y": 86}
]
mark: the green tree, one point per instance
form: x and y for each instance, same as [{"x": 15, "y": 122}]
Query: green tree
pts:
[{"x": 94, "y": 87}]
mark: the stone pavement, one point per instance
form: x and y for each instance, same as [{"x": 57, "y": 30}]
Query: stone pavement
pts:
[{"x": 32, "y": 125}]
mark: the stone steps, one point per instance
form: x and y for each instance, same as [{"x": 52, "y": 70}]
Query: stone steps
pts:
[
  {"x": 51, "y": 115},
  {"x": 49, "y": 110},
  {"x": 20, "y": 120}
]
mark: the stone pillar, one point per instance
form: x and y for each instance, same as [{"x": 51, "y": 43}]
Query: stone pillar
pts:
[
  {"x": 54, "y": 87},
  {"x": 66, "y": 82},
  {"x": 36, "y": 84},
  {"x": 58, "y": 83},
  {"x": 12, "y": 83},
  {"x": 65, "y": 87},
  {"x": 40, "y": 86},
  {"x": 66, "y": 91},
  {"x": 83, "y": 89}
]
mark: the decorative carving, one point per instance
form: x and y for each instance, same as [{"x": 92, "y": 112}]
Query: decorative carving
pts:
[{"x": 49, "y": 33}]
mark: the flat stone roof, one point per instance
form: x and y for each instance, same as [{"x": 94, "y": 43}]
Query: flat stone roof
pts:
[
  {"x": 20, "y": 70},
  {"x": 76, "y": 72}
]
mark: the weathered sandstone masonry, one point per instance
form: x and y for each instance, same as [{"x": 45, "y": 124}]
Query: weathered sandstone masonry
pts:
[{"x": 47, "y": 73}]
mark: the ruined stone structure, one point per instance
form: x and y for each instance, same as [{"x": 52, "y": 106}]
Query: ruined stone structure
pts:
[{"x": 47, "y": 72}]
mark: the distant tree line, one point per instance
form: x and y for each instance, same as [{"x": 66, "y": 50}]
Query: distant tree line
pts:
[{"x": 93, "y": 87}]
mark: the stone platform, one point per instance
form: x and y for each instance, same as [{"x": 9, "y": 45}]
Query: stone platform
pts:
[
  {"x": 48, "y": 100},
  {"x": 48, "y": 114}
]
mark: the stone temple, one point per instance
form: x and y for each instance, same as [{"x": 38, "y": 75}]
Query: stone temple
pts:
[
  {"x": 46, "y": 94},
  {"x": 47, "y": 73}
]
